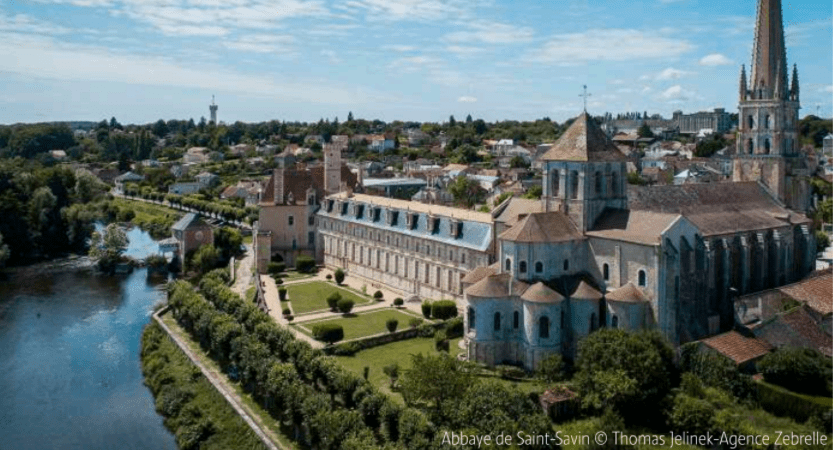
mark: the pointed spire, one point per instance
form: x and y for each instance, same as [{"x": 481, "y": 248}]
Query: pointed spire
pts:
[
  {"x": 743, "y": 87},
  {"x": 769, "y": 56},
  {"x": 794, "y": 86}
]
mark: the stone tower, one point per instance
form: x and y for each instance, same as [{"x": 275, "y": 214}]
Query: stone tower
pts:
[
  {"x": 213, "y": 109},
  {"x": 767, "y": 139},
  {"x": 332, "y": 169}
]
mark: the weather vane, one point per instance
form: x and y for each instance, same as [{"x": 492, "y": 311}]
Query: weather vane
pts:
[{"x": 585, "y": 95}]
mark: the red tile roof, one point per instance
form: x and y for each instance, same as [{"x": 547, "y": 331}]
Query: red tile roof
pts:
[
  {"x": 737, "y": 347},
  {"x": 816, "y": 291},
  {"x": 584, "y": 141}
]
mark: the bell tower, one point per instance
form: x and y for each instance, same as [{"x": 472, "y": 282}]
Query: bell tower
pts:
[
  {"x": 767, "y": 147},
  {"x": 332, "y": 168}
]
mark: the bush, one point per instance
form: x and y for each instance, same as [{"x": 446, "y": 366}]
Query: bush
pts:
[
  {"x": 279, "y": 281},
  {"x": 332, "y": 300},
  {"x": 286, "y": 312},
  {"x": 275, "y": 268},
  {"x": 691, "y": 414},
  {"x": 378, "y": 295},
  {"x": 392, "y": 371},
  {"x": 282, "y": 294},
  {"x": 345, "y": 305},
  {"x": 392, "y": 324},
  {"x": 329, "y": 277},
  {"x": 398, "y": 302},
  {"x": 443, "y": 309},
  {"x": 551, "y": 369},
  {"x": 339, "y": 276},
  {"x": 510, "y": 372},
  {"x": 346, "y": 349},
  {"x": 415, "y": 322},
  {"x": 304, "y": 264},
  {"x": 426, "y": 309},
  {"x": 290, "y": 318},
  {"x": 441, "y": 341},
  {"x": 328, "y": 332},
  {"x": 426, "y": 330},
  {"x": 802, "y": 370},
  {"x": 454, "y": 327}
]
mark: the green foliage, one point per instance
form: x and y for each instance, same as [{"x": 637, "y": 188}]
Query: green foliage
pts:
[
  {"x": 551, "y": 368},
  {"x": 635, "y": 178},
  {"x": 392, "y": 371},
  {"x": 441, "y": 341},
  {"x": 228, "y": 240},
  {"x": 813, "y": 129},
  {"x": 822, "y": 241},
  {"x": 502, "y": 197},
  {"x": 623, "y": 370},
  {"x": 328, "y": 332},
  {"x": 415, "y": 322},
  {"x": 802, "y": 370},
  {"x": 378, "y": 295},
  {"x": 709, "y": 147},
  {"x": 466, "y": 191},
  {"x": 454, "y": 327},
  {"x": 286, "y": 311},
  {"x": 304, "y": 264},
  {"x": 339, "y": 276},
  {"x": 443, "y": 309},
  {"x": 800, "y": 407},
  {"x": 107, "y": 247},
  {"x": 426, "y": 309},
  {"x": 691, "y": 414},
  {"x": 333, "y": 299},
  {"x": 398, "y": 302},
  {"x": 345, "y": 305},
  {"x": 4, "y": 252},
  {"x": 644, "y": 131},
  {"x": 534, "y": 192},
  {"x": 518, "y": 162},
  {"x": 206, "y": 257},
  {"x": 29, "y": 140},
  {"x": 391, "y": 325},
  {"x": 435, "y": 380},
  {"x": 715, "y": 370},
  {"x": 282, "y": 294}
]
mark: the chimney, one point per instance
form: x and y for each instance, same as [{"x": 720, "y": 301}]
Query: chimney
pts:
[{"x": 277, "y": 175}]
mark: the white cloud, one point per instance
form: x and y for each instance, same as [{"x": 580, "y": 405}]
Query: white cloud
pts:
[
  {"x": 491, "y": 33},
  {"x": 671, "y": 74},
  {"x": 715, "y": 59},
  {"x": 260, "y": 43},
  {"x": 828, "y": 88},
  {"x": 22, "y": 23},
  {"x": 597, "y": 45},
  {"x": 399, "y": 48},
  {"x": 387, "y": 10},
  {"x": 676, "y": 93},
  {"x": 646, "y": 89},
  {"x": 464, "y": 50},
  {"x": 332, "y": 56},
  {"x": 467, "y": 99}
]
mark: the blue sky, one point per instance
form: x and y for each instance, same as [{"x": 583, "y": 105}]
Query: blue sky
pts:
[{"x": 141, "y": 60}]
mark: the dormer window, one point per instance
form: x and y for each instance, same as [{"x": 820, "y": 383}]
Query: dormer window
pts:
[{"x": 454, "y": 228}]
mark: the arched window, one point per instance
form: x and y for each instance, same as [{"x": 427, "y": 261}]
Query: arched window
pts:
[
  {"x": 544, "y": 327},
  {"x": 516, "y": 320},
  {"x": 641, "y": 278},
  {"x": 497, "y": 321},
  {"x": 522, "y": 267},
  {"x": 614, "y": 322},
  {"x": 766, "y": 146},
  {"x": 598, "y": 181},
  {"x": 750, "y": 146},
  {"x": 606, "y": 271},
  {"x": 574, "y": 184},
  {"x": 592, "y": 321},
  {"x": 566, "y": 264},
  {"x": 750, "y": 122},
  {"x": 767, "y": 122},
  {"x": 508, "y": 265},
  {"x": 471, "y": 318},
  {"x": 555, "y": 183},
  {"x": 539, "y": 267}
]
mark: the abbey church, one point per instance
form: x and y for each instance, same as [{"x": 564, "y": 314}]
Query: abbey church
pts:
[{"x": 533, "y": 277}]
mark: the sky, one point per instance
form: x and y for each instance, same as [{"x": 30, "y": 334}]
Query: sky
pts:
[{"x": 419, "y": 60}]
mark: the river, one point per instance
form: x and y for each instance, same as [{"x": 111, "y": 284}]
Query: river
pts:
[{"x": 70, "y": 376}]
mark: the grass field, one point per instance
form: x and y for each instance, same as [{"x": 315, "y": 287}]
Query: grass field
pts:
[
  {"x": 366, "y": 324},
  {"x": 312, "y": 296},
  {"x": 292, "y": 275},
  {"x": 155, "y": 219}
]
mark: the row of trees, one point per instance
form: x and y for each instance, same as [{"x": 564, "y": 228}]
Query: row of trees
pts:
[{"x": 212, "y": 208}]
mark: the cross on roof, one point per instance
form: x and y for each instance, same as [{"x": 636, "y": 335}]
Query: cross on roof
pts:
[{"x": 585, "y": 95}]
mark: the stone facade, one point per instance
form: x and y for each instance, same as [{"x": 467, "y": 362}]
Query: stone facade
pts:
[{"x": 191, "y": 232}]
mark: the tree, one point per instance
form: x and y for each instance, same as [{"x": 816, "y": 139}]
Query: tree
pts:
[
  {"x": 551, "y": 369},
  {"x": 518, "y": 162},
  {"x": 350, "y": 116},
  {"x": 803, "y": 370},
  {"x": 534, "y": 192},
  {"x": 205, "y": 258},
  {"x": 391, "y": 325},
  {"x": 392, "y": 371},
  {"x": 107, "y": 247},
  {"x": 434, "y": 380},
  {"x": 466, "y": 191},
  {"x": 228, "y": 240},
  {"x": 333, "y": 299},
  {"x": 345, "y": 305},
  {"x": 4, "y": 252},
  {"x": 468, "y": 119},
  {"x": 339, "y": 276},
  {"x": 451, "y": 121}
]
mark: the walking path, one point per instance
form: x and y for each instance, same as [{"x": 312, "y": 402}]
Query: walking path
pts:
[
  {"x": 243, "y": 273},
  {"x": 219, "y": 381}
]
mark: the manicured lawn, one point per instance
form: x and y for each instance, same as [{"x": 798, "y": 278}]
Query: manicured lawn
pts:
[
  {"x": 312, "y": 296},
  {"x": 366, "y": 324},
  {"x": 292, "y": 275}
]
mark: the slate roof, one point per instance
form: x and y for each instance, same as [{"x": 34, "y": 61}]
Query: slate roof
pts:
[
  {"x": 737, "y": 347},
  {"x": 643, "y": 227},
  {"x": 297, "y": 181},
  {"x": 795, "y": 328},
  {"x": 816, "y": 291},
  {"x": 716, "y": 208},
  {"x": 540, "y": 293},
  {"x": 496, "y": 286},
  {"x": 586, "y": 292},
  {"x": 188, "y": 221},
  {"x": 584, "y": 141},
  {"x": 627, "y": 293},
  {"x": 551, "y": 226}
]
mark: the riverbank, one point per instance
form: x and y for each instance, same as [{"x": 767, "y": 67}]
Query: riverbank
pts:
[{"x": 193, "y": 410}]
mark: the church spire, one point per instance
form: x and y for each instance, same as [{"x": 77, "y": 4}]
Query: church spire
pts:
[
  {"x": 743, "y": 87},
  {"x": 769, "y": 56},
  {"x": 794, "y": 86}
]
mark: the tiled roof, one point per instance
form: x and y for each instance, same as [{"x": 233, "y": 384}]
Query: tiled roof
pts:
[
  {"x": 644, "y": 227},
  {"x": 716, "y": 208},
  {"x": 795, "y": 328},
  {"x": 405, "y": 205},
  {"x": 583, "y": 141},
  {"x": 551, "y": 226},
  {"x": 517, "y": 206},
  {"x": 737, "y": 347},
  {"x": 298, "y": 181},
  {"x": 478, "y": 273},
  {"x": 540, "y": 293},
  {"x": 187, "y": 221},
  {"x": 816, "y": 291},
  {"x": 627, "y": 293},
  {"x": 586, "y": 292},
  {"x": 496, "y": 286}
]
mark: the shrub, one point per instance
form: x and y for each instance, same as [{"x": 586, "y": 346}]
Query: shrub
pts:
[
  {"x": 398, "y": 302},
  {"x": 304, "y": 264},
  {"x": 339, "y": 276},
  {"x": 282, "y": 294},
  {"x": 290, "y": 318},
  {"x": 415, "y": 322},
  {"x": 551, "y": 369},
  {"x": 510, "y": 372},
  {"x": 691, "y": 414},
  {"x": 333, "y": 299},
  {"x": 454, "y": 327},
  {"x": 378, "y": 295},
  {"x": 443, "y": 309},
  {"x": 426, "y": 309},
  {"x": 798, "y": 369},
  {"x": 392, "y": 371},
  {"x": 279, "y": 281},
  {"x": 275, "y": 267},
  {"x": 392, "y": 324},
  {"x": 366, "y": 372},
  {"x": 345, "y": 305},
  {"x": 441, "y": 341},
  {"x": 286, "y": 312},
  {"x": 329, "y": 277},
  {"x": 328, "y": 332},
  {"x": 346, "y": 349},
  {"x": 426, "y": 330}
]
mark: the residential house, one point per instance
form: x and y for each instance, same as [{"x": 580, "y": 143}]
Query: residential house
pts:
[
  {"x": 381, "y": 142},
  {"x": 196, "y": 155},
  {"x": 207, "y": 179},
  {"x": 127, "y": 177},
  {"x": 191, "y": 232},
  {"x": 185, "y": 188}
]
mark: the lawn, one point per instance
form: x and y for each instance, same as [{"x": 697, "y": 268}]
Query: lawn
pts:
[
  {"x": 292, "y": 275},
  {"x": 366, "y": 324},
  {"x": 308, "y": 297}
]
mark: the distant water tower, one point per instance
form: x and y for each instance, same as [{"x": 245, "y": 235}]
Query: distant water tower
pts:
[{"x": 213, "y": 109}]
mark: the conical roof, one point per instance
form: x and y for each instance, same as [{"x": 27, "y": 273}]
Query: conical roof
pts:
[
  {"x": 584, "y": 141},
  {"x": 627, "y": 293},
  {"x": 543, "y": 227},
  {"x": 586, "y": 292},
  {"x": 541, "y": 293},
  {"x": 496, "y": 286}
]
